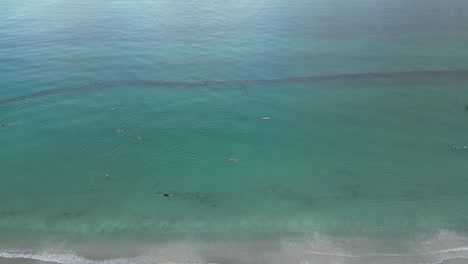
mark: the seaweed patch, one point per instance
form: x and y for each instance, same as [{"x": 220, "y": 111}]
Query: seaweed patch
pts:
[{"x": 240, "y": 83}]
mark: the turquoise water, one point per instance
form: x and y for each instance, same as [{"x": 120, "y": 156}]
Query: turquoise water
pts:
[{"x": 354, "y": 163}]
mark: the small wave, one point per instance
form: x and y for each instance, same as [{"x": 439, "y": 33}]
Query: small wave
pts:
[
  {"x": 431, "y": 257},
  {"x": 441, "y": 247},
  {"x": 432, "y": 253},
  {"x": 444, "y": 247},
  {"x": 436, "y": 257},
  {"x": 65, "y": 258}
]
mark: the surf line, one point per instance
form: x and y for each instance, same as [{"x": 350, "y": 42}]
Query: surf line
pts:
[
  {"x": 65, "y": 258},
  {"x": 449, "y": 250},
  {"x": 156, "y": 83}
]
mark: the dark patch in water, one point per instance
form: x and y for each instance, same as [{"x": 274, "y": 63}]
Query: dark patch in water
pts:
[
  {"x": 11, "y": 213},
  {"x": 308, "y": 200},
  {"x": 346, "y": 172},
  {"x": 347, "y": 192},
  {"x": 355, "y": 194},
  {"x": 283, "y": 193},
  {"x": 352, "y": 192},
  {"x": 427, "y": 191},
  {"x": 189, "y": 84},
  {"x": 203, "y": 198},
  {"x": 287, "y": 193},
  {"x": 72, "y": 214}
]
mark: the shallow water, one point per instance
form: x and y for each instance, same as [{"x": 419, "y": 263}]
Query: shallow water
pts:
[{"x": 314, "y": 131}]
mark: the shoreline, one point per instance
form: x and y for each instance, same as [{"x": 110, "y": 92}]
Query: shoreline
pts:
[{"x": 443, "y": 247}]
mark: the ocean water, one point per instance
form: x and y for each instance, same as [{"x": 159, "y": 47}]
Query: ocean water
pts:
[{"x": 323, "y": 131}]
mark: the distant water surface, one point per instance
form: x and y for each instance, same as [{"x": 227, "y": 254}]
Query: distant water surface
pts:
[{"x": 287, "y": 132}]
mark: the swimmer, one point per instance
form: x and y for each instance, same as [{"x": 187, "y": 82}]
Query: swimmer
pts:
[
  {"x": 25, "y": 102},
  {"x": 107, "y": 176},
  {"x": 233, "y": 159},
  {"x": 11, "y": 124},
  {"x": 247, "y": 94},
  {"x": 119, "y": 130},
  {"x": 167, "y": 195},
  {"x": 141, "y": 138},
  {"x": 265, "y": 118}
]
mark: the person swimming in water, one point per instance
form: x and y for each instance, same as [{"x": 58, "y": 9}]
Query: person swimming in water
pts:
[
  {"x": 233, "y": 159},
  {"x": 119, "y": 130},
  {"x": 167, "y": 194},
  {"x": 141, "y": 138},
  {"x": 107, "y": 176}
]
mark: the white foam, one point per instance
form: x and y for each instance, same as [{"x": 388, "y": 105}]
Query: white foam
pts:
[
  {"x": 439, "y": 248},
  {"x": 442, "y": 247},
  {"x": 449, "y": 250},
  {"x": 64, "y": 258}
]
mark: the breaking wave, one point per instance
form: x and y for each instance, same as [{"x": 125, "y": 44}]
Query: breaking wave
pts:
[{"x": 64, "y": 258}]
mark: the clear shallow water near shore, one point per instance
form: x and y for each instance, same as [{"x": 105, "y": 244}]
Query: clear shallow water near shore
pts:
[{"x": 345, "y": 170}]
